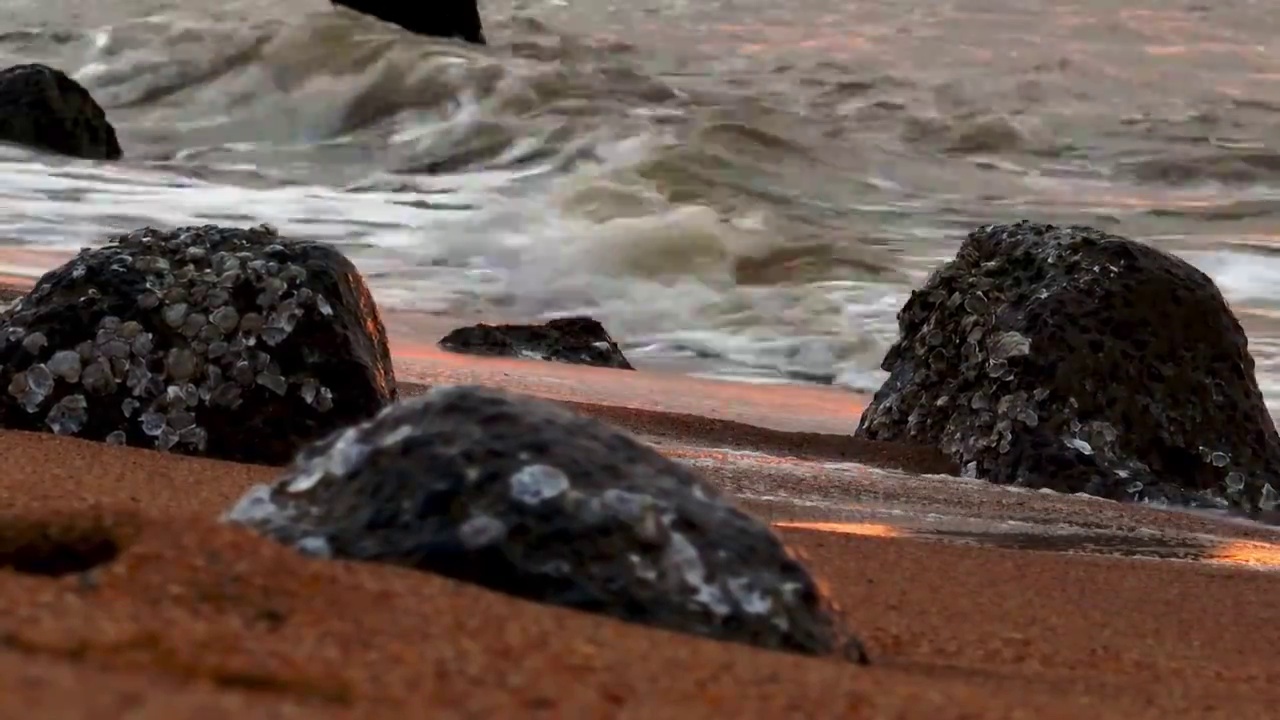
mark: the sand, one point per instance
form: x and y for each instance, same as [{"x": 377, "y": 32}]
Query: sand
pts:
[{"x": 124, "y": 597}]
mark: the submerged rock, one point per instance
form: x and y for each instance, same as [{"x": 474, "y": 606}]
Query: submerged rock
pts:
[
  {"x": 225, "y": 342},
  {"x": 1070, "y": 359},
  {"x": 522, "y": 496},
  {"x": 42, "y": 108},
  {"x": 577, "y": 340},
  {"x": 446, "y": 19}
]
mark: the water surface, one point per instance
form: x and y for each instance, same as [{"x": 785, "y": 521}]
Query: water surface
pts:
[{"x": 752, "y": 185}]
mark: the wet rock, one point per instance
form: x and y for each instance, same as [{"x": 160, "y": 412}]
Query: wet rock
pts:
[
  {"x": 1070, "y": 359},
  {"x": 577, "y": 340},
  {"x": 42, "y": 108},
  {"x": 522, "y": 496},
  {"x": 447, "y": 19},
  {"x": 225, "y": 342}
]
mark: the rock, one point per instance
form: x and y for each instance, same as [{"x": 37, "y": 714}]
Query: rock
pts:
[
  {"x": 522, "y": 496},
  {"x": 43, "y": 108},
  {"x": 448, "y": 19},
  {"x": 1070, "y": 359},
  {"x": 230, "y": 343},
  {"x": 576, "y": 340}
]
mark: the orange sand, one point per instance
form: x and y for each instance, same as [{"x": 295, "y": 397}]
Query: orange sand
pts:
[{"x": 180, "y": 617}]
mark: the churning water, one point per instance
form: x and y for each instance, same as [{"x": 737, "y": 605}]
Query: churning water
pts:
[{"x": 754, "y": 184}]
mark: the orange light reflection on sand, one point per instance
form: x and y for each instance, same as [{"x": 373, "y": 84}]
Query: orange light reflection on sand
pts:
[
  {"x": 1252, "y": 554},
  {"x": 847, "y": 528},
  {"x": 1242, "y": 553}
]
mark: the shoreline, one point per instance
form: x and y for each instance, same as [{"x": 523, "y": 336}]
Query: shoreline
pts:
[{"x": 973, "y": 600}]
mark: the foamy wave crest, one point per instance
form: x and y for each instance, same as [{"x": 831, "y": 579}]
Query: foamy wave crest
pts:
[{"x": 542, "y": 180}]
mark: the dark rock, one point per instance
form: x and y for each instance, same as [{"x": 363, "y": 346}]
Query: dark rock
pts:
[
  {"x": 577, "y": 340},
  {"x": 445, "y": 19},
  {"x": 1070, "y": 359},
  {"x": 42, "y": 108},
  {"x": 230, "y": 343},
  {"x": 522, "y": 496}
]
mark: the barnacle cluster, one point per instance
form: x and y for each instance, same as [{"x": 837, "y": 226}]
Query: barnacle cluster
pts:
[
  {"x": 1072, "y": 359},
  {"x": 137, "y": 337}
]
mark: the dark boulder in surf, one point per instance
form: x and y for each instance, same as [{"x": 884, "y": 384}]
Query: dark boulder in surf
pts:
[
  {"x": 523, "y": 496},
  {"x": 447, "y": 19},
  {"x": 576, "y": 340},
  {"x": 44, "y": 109},
  {"x": 1071, "y": 359},
  {"x": 224, "y": 342}
]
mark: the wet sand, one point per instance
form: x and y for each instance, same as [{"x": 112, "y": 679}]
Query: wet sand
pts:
[{"x": 125, "y": 597}]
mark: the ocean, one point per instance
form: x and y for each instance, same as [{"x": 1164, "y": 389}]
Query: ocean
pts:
[{"x": 744, "y": 189}]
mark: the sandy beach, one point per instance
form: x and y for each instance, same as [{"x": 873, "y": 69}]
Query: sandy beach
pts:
[
  {"x": 746, "y": 195},
  {"x": 126, "y": 598}
]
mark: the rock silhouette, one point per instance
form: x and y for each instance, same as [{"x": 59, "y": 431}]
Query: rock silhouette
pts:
[
  {"x": 1071, "y": 359},
  {"x": 576, "y": 340},
  {"x": 42, "y": 108},
  {"x": 449, "y": 19},
  {"x": 226, "y": 342},
  {"x": 522, "y": 496}
]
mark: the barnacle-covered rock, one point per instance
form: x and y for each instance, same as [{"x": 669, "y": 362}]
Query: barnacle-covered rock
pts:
[
  {"x": 577, "y": 340},
  {"x": 523, "y": 496},
  {"x": 225, "y": 342},
  {"x": 1071, "y": 359},
  {"x": 41, "y": 107}
]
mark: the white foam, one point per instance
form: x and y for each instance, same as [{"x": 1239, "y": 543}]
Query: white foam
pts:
[{"x": 1245, "y": 278}]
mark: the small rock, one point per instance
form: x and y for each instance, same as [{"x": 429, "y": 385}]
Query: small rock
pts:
[
  {"x": 576, "y": 340},
  {"x": 522, "y": 496},
  {"x": 42, "y": 108},
  {"x": 444, "y": 19}
]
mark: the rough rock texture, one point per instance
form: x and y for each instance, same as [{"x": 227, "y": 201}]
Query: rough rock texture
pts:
[
  {"x": 523, "y": 496},
  {"x": 230, "y": 343},
  {"x": 577, "y": 340},
  {"x": 1070, "y": 359},
  {"x": 42, "y": 108},
  {"x": 446, "y": 19}
]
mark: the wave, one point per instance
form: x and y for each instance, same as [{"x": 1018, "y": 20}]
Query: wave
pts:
[{"x": 768, "y": 215}]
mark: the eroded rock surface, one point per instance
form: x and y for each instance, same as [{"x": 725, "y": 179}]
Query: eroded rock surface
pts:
[
  {"x": 525, "y": 497},
  {"x": 225, "y": 342},
  {"x": 577, "y": 340},
  {"x": 42, "y": 108},
  {"x": 1071, "y": 359},
  {"x": 442, "y": 18}
]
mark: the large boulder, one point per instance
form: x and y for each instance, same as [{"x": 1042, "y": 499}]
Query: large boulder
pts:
[
  {"x": 1070, "y": 359},
  {"x": 225, "y": 342},
  {"x": 576, "y": 340},
  {"x": 42, "y": 108},
  {"x": 522, "y": 496},
  {"x": 446, "y": 19}
]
